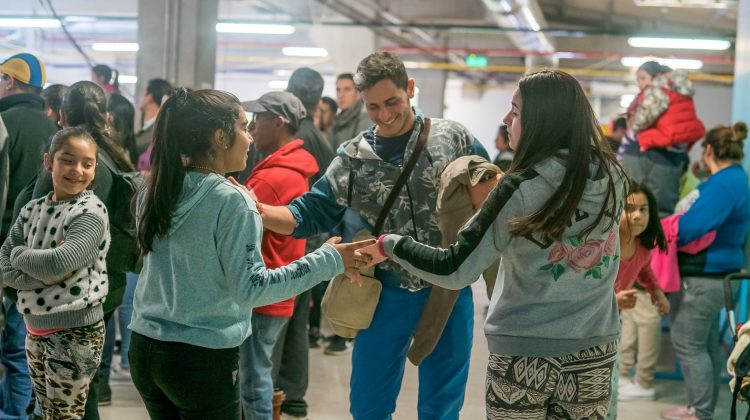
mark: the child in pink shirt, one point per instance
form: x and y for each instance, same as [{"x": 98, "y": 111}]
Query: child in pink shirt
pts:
[{"x": 640, "y": 233}]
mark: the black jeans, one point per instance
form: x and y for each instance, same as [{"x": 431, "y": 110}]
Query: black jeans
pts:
[{"x": 182, "y": 381}]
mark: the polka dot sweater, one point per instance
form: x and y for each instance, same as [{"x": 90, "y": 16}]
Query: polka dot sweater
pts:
[{"x": 55, "y": 257}]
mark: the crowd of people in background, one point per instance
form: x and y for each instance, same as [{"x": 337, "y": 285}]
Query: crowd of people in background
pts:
[{"x": 206, "y": 239}]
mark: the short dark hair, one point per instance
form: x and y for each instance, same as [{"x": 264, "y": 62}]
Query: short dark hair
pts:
[
  {"x": 380, "y": 66},
  {"x": 654, "y": 69},
  {"x": 103, "y": 71},
  {"x": 653, "y": 236},
  {"x": 620, "y": 123},
  {"x": 347, "y": 76},
  {"x": 331, "y": 103},
  {"x": 158, "y": 88},
  {"x": 53, "y": 96},
  {"x": 307, "y": 85}
]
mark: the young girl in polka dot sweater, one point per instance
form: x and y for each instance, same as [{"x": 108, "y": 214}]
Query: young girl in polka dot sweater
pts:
[{"x": 54, "y": 257}]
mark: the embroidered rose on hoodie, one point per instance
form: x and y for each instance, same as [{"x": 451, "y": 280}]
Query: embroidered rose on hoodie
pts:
[{"x": 588, "y": 257}]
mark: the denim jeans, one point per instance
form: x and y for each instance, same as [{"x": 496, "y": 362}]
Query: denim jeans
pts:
[
  {"x": 15, "y": 384},
  {"x": 291, "y": 359},
  {"x": 380, "y": 352},
  {"x": 182, "y": 381},
  {"x": 125, "y": 314},
  {"x": 256, "y": 384},
  {"x": 695, "y": 337}
]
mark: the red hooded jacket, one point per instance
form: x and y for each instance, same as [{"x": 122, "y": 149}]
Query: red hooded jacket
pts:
[
  {"x": 276, "y": 181},
  {"x": 665, "y": 113}
]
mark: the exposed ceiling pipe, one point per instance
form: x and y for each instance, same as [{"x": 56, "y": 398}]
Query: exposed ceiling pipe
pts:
[
  {"x": 419, "y": 39},
  {"x": 522, "y": 14}
]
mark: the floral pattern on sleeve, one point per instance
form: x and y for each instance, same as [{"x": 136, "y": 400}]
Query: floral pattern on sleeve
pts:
[{"x": 588, "y": 257}]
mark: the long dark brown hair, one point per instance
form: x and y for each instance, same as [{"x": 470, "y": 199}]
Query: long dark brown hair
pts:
[
  {"x": 85, "y": 105},
  {"x": 555, "y": 117},
  {"x": 653, "y": 236},
  {"x": 184, "y": 126}
]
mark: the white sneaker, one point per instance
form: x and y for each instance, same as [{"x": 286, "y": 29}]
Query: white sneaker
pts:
[
  {"x": 120, "y": 374},
  {"x": 632, "y": 390}
]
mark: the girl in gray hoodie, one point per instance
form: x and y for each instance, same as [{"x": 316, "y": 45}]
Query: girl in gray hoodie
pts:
[{"x": 552, "y": 326}]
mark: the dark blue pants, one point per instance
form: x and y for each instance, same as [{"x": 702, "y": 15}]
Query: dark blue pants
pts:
[{"x": 380, "y": 352}]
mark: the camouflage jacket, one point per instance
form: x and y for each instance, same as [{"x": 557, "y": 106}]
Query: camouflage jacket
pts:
[{"x": 361, "y": 180}]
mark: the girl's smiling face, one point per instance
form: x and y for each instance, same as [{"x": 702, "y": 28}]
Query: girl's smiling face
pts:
[{"x": 73, "y": 167}]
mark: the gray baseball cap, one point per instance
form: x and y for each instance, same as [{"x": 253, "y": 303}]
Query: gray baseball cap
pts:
[{"x": 283, "y": 104}]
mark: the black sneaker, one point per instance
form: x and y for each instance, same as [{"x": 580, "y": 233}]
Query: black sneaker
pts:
[
  {"x": 105, "y": 394},
  {"x": 338, "y": 346}
]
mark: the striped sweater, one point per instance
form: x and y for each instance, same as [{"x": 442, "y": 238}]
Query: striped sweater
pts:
[{"x": 55, "y": 257}]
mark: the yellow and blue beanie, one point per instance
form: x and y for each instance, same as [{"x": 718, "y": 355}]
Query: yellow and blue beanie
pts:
[{"x": 25, "y": 68}]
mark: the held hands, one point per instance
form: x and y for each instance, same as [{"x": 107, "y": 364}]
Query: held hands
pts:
[
  {"x": 659, "y": 299},
  {"x": 373, "y": 251},
  {"x": 353, "y": 258},
  {"x": 626, "y": 299}
]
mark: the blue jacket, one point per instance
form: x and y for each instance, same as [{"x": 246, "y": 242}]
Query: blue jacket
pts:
[
  {"x": 200, "y": 281},
  {"x": 721, "y": 203}
]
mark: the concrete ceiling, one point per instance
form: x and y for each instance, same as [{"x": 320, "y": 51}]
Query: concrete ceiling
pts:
[{"x": 589, "y": 35}]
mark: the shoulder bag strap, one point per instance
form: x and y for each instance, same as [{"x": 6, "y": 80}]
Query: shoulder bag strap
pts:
[{"x": 405, "y": 172}]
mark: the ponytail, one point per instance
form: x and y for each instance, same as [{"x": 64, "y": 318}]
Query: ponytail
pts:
[
  {"x": 85, "y": 105},
  {"x": 184, "y": 126}
]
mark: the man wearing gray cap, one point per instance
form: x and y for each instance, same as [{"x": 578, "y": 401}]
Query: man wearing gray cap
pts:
[
  {"x": 291, "y": 357},
  {"x": 279, "y": 178}
]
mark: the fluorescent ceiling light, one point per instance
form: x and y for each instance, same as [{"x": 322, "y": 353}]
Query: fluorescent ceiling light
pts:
[
  {"x": 708, "y": 4},
  {"x": 304, "y": 52},
  {"x": 114, "y": 46},
  {"x": 254, "y": 28},
  {"x": 626, "y": 100},
  {"x": 674, "y": 63},
  {"x": 80, "y": 19},
  {"x": 679, "y": 43},
  {"x": 282, "y": 72},
  {"x": 278, "y": 84},
  {"x": 29, "y": 23},
  {"x": 127, "y": 79},
  {"x": 530, "y": 19}
]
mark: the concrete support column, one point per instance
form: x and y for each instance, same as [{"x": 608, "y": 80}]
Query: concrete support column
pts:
[
  {"x": 430, "y": 97},
  {"x": 177, "y": 42},
  {"x": 346, "y": 46},
  {"x": 741, "y": 93}
]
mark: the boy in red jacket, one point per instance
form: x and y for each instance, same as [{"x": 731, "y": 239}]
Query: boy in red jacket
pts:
[{"x": 276, "y": 180}]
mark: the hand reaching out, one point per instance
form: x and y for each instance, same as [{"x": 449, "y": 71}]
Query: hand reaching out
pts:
[
  {"x": 626, "y": 299},
  {"x": 353, "y": 258},
  {"x": 376, "y": 257}
]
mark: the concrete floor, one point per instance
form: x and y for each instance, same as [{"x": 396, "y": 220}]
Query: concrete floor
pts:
[{"x": 329, "y": 388}]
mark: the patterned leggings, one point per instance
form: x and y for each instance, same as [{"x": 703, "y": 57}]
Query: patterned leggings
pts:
[
  {"x": 575, "y": 386},
  {"x": 62, "y": 365}
]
